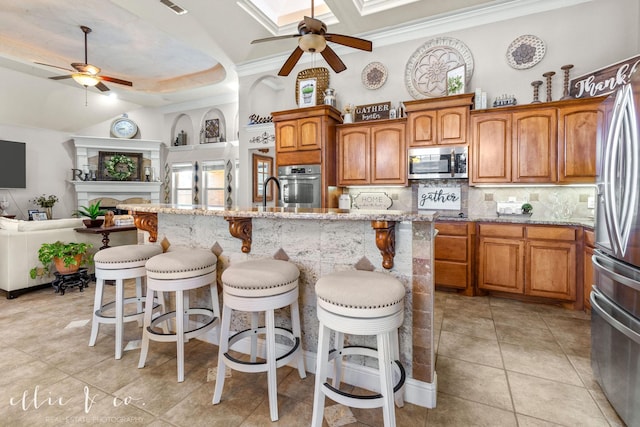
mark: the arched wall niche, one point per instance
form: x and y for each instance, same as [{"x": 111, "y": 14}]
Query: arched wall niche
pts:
[
  {"x": 264, "y": 97},
  {"x": 213, "y": 123},
  {"x": 183, "y": 122}
]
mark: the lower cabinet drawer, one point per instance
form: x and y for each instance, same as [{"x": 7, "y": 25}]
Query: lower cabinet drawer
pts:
[{"x": 451, "y": 274}]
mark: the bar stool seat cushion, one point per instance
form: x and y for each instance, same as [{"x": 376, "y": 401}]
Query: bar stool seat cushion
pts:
[
  {"x": 181, "y": 264},
  {"x": 357, "y": 293},
  {"x": 260, "y": 278},
  {"x": 126, "y": 256}
]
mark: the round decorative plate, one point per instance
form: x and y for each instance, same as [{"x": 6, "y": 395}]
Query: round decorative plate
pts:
[
  {"x": 426, "y": 71},
  {"x": 374, "y": 75},
  {"x": 525, "y": 52}
]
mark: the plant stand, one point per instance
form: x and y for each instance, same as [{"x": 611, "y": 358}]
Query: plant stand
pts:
[{"x": 79, "y": 278}]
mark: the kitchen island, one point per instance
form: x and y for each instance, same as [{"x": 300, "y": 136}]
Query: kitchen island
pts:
[{"x": 318, "y": 242}]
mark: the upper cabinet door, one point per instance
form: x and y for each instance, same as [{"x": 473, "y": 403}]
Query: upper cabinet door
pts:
[
  {"x": 490, "y": 148},
  {"x": 287, "y": 136},
  {"x": 310, "y": 133},
  {"x": 452, "y": 125},
  {"x": 534, "y": 146},
  {"x": 578, "y": 133},
  {"x": 388, "y": 154},
  {"x": 353, "y": 156},
  {"x": 422, "y": 128}
]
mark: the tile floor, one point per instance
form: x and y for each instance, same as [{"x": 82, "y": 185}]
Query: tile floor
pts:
[{"x": 499, "y": 363}]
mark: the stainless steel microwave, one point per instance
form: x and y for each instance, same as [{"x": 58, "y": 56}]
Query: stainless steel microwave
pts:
[{"x": 438, "y": 162}]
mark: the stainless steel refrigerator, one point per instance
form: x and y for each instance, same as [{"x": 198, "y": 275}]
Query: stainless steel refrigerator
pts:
[{"x": 615, "y": 298}]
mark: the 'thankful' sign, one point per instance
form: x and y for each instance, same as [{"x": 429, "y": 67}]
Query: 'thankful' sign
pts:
[{"x": 604, "y": 80}]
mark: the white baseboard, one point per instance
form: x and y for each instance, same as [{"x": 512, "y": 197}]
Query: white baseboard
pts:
[{"x": 418, "y": 393}]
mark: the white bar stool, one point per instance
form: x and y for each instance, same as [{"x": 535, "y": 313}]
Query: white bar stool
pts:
[
  {"x": 359, "y": 303},
  {"x": 119, "y": 263},
  {"x": 260, "y": 286},
  {"x": 180, "y": 271}
]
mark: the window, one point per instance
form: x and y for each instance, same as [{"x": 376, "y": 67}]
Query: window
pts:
[
  {"x": 213, "y": 183},
  {"x": 182, "y": 183}
]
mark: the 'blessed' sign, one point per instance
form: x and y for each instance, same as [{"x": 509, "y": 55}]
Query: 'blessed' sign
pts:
[{"x": 378, "y": 111}]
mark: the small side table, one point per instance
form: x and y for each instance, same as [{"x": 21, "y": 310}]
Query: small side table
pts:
[
  {"x": 105, "y": 231},
  {"x": 63, "y": 281}
]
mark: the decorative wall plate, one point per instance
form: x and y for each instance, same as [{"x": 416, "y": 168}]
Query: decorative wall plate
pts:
[
  {"x": 321, "y": 75},
  {"x": 426, "y": 70},
  {"x": 525, "y": 52},
  {"x": 374, "y": 75}
]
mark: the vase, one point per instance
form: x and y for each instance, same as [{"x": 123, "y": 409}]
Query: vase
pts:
[
  {"x": 93, "y": 223},
  {"x": 49, "y": 211}
]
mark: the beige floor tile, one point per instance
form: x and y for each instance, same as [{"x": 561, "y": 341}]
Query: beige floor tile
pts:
[
  {"x": 606, "y": 408},
  {"x": 553, "y": 401},
  {"x": 540, "y": 363},
  {"x": 452, "y": 411},
  {"x": 470, "y": 349},
  {"x": 521, "y": 334},
  {"x": 464, "y": 324},
  {"x": 525, "y": 421},
  {"x": 479, "y": 383}
]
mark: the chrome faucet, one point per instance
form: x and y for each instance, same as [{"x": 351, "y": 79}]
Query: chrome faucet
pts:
[{"x": 264, "y": 189}]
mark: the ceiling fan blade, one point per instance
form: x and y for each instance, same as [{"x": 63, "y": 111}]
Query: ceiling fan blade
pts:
[
  {"x": 270, "y": 39},
  {"x": 291, "y": 62},
  {"x": 54, "y": 66},
  {"x": 332, "y": 59},
  {"x": 102, "y": 87},
  {"x": 350, "y": 41},
  {"x": 60, "y": 77},
  {"x": 315, "y": 25},
  {"x": 115, "y": 80}
]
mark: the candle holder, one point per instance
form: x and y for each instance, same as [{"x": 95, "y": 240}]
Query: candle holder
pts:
[
  {"x": 565, "y": 91},
  {"x": 548, "y": 76},
  {"x": 536, "y": 90}
]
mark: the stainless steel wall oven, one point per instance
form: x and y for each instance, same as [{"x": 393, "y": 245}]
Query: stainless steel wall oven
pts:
[{"x": 301, "y": 186}]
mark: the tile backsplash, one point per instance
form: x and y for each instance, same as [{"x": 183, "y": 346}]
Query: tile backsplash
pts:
[{"x": 551, "y": 202}]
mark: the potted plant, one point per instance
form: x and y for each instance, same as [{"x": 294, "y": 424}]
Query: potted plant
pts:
[
  {"x": 527, "y": 208},
  {"x": 67, "y": 257},
  {"x": 92, "y": 212},
  {"x": 46, "y": 202}
]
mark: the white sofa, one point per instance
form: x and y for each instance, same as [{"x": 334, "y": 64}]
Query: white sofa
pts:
[{"x": 20, "y": 241}]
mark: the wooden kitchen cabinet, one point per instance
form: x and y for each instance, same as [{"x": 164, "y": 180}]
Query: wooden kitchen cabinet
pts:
[
  {"x": 513, "y": 146},
  {"x": 533, "y": 261},
  {"x": 300, "y": 134},
  {"x": 587, "y": 267},
  {"x": 372, "y": 154},
  {"x": 581, "y": 124},
  {"x": 453, "y": 256},
  {"x": 438, "y": 121}
]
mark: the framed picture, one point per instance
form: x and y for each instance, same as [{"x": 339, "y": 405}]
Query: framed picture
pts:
[
  {"x": 455, "y": 80},
  {"x": 31, "y": 212},
  {"x": 307, "y": 92},
  {"x": 39, "y": 216},
  {"x": 114, "y": 166},
  {"x": 212, "y": 128}
]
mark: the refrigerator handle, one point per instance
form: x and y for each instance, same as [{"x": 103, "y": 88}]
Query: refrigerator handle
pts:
[
  {"x": 596, "y": 298},
  {"x": 627, "y": 281}
]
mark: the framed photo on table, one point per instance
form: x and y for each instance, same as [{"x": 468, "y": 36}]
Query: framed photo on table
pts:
[
  {"x": 307, "y": 92},
  {"x": 31, "y": 212},
  {"x": 39, "y": 216}
]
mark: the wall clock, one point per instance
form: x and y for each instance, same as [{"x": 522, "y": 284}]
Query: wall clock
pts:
[{"x": 124, "y": 127}]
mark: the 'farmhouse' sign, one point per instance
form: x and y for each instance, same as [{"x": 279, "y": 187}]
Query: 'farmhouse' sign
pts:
[
  {"x": 377, "y": 111},
  {"x": 604, "y": 80}
]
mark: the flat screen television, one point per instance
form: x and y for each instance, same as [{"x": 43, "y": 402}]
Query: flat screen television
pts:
[{"x": 13, "y": 164}]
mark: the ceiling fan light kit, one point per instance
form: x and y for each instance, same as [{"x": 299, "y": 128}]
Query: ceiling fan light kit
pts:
[
  {"x": 313, "y": 37},
  {"x": 85, "y": 79}
]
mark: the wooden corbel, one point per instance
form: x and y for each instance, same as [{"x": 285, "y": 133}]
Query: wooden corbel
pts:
[
  {"x": 241, "y": 228},
  {"x": 386, "y": 241},
  {"x": 147, "y": 221}
]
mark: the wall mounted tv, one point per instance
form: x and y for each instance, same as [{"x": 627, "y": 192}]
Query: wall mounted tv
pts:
[{"x": 13, "y": 164}]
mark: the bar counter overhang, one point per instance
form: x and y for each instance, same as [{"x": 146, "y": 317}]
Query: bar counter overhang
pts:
[{"x": 320, "y": 241}]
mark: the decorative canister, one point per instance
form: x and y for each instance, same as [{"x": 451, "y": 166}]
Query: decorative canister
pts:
[
  {"x": 330, "y": 97},
  {"x": 344, "y": 201}
]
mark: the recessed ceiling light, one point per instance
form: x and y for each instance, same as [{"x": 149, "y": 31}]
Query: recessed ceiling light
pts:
[{"x": 171, "y": 5}]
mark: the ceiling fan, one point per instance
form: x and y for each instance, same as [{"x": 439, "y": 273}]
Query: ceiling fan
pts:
[
  {"x": 313, "y": 37},
  {"x": 85, "y": 73}
]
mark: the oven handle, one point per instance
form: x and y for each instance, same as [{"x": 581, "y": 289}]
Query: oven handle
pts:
[
  {"x": 298, "y": 178},
  {"x": 595, "y": 297}
]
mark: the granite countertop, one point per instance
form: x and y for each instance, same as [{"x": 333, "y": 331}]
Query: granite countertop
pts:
[
  {"x": 522, "y": 219},
  {"x": 285, "y": 213}
]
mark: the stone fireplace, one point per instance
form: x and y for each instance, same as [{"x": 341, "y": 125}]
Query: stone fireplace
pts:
[{"x": 90, "y": 153}]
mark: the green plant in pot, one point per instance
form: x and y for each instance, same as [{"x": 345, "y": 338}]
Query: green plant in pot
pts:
[
  {"x": 92, "y": 212},
  {"x": 66, "y": 257},
  {"x": 527, "y": 208}
]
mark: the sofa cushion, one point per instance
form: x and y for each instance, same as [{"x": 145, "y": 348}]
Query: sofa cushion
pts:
[
  {"x": 52, "y": 224},
  {"x": 9, "y": 224}
]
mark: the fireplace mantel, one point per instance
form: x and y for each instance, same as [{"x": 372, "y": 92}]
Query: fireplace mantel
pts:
[{"x": 90, "y": 147}]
